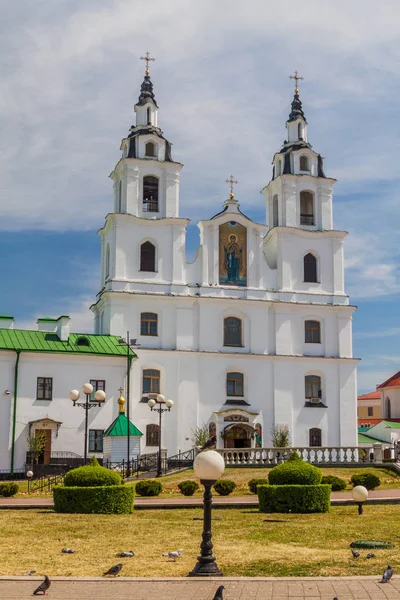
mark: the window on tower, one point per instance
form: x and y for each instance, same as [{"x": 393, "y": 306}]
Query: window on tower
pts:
[
  {"x": 232, "y": 331},
  {"x": 120, "y": 197},
  {"x": 234, "y": 384},
  {"x": 148, "y": 324},
  {"x": 150, "y": 194},
  {"x": 107, "y": 269},
  {"x": 151, "y": 381},
  {"x": 312, "y": 330},
  {"x": 304, "y": 165},
  {"x": 275, "y": 213},
  {"x": 306, "y": 208},
  {"x": 148, "y": 116},
  {"x": 148, "y": 257},
  {"x": 310, "y": 268},
  {"x": 313, "y": 388},
  {"x": 299, "y": 131},
  {"x": 150, "y": 149}
]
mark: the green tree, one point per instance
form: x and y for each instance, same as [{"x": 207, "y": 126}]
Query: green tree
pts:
[
  {"x": 36, "y": 444},
  {"x": 200, "y": 435},
  {"x": 280, "y": 437}
]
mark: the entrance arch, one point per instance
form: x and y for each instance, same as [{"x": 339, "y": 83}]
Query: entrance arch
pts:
[{"x": 238, "y": 435}]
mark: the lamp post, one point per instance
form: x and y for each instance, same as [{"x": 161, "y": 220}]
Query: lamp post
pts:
[
  {"x": 157, "y": 405},
  {"x": 360, "y": 494},
  {"x": 100, "y": 396},
  {"x": 128, "y": 343},
  {"x": 29, "y": 475},
  {"x": 208, "y": 466}
]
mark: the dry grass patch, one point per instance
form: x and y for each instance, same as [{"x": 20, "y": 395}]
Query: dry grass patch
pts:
[{"x": 246, "y": 542}]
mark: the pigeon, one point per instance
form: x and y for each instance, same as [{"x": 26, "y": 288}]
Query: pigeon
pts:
[
  {"x": 355, "y": 553},
  {"x": 68, "y": 551},
  {"x": 371, "y": 555},
  {"x": 174, "y": 555},
  {"x": 219, "y": 594},
  {"x": 29, "y": 573},
  {"x": 387, "y": 575},
  {"x": 128, "y": 554},
  {"x": 114, "y": 570},
  {"x": 210, "y": 443},
  {"x": 43, "y": 587}
]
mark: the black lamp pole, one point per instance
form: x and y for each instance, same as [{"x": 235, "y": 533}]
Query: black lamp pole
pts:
[
  {"x": 128, "y": 387},
  {"x": 160, "y": 411},
  {"x": 87, "y": 406},
  {"x": 206, "y": 565}
]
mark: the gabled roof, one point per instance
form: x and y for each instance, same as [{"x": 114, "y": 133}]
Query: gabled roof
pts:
[
  {"x": 370, "y": 396},
  {"x": 366, "y": 439},
  {"x": 119, "y": 427},
  {"x": 45, "y": 341},
  {"x": 392, "y": 424},
  {"x": 393, "y": 381}
]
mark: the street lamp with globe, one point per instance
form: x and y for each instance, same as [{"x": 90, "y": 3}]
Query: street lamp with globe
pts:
[
  {"x": 208, "y": 466},
  {"x": 99, "y": 396},
  {"x": 360, "y": 494},
  {"x": 29, "y": 475},
  {"x": 157, "y": 404}
]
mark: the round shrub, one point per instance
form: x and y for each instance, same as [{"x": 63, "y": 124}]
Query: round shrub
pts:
[
  {"x": 109, "y": 499},
  {"x": 368, "y": 480},
  {"x": 148, "y": 487},
  {"x": 8, "y": 489},
  {"x": 224, "y": 487},
  {"x": 295, "y": 471},
  {"x": 89, "y": 476},
  {"x": 336, "y": 483},
  {"x": 294, "y": 498},
  {"x": 253, "y": 483},
  {"x": 188, "y": 488}
]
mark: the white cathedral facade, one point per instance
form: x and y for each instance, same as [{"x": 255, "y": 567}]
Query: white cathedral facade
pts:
[{"x": 256, "y": 332}]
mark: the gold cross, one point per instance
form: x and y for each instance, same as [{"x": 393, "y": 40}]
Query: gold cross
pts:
[
  {"x": 297, "y": 78},
  {"x": 121, "y": 391},
  {"x": 147, "y": 58},
  {"x": 232, "y": 182}
]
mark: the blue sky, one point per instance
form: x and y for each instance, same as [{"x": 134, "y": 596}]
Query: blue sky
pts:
[{"x": 70, "y": 75}]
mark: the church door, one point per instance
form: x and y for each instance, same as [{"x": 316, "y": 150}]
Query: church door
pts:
[
  {"x": 44, "y": 458},
  {"x": 237, "y": 437}
]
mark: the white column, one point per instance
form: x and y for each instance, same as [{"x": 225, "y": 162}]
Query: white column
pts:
[
  {"x": 178, "y": 254},
  {"x": 172, "y": 193}
]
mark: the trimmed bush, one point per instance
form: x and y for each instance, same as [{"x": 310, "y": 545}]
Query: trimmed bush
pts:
[
  {"x": 188, "y": 488},
  {"x": 148, "y": 487},
  {"x": 295, "y": 471},
  {"x": 224, "y": 487},
  {"x": 294, "y": 498},
  {"x": 253, "y": 483},
  {"x": 108, "y": 499},
  {"x": 90, "y": 476},
  {"x": 336, "y": 483},
  {"x": 8, "y": 489},
  {"x": 368, "y": 480}
]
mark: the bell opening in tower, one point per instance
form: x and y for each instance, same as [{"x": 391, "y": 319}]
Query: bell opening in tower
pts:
[{"x": 150, "y": 194}]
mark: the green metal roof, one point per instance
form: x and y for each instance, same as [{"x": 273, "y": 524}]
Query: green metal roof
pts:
[
  {"x": 365, "y": 439},
  {"x": 44, "y": 341},
  {"x": 6, "y": 317},
  {"x": 119, "y": 427},
  {"x": 392, "y": 424}
]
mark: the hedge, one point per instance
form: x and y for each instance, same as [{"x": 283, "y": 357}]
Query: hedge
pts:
[
  {"x": 337, "y": 484},
  {"x": 8, "y": 489},
  {"x": 90, "y": 476},
  {"x": 295, "y": 471},
  {"x": 148, "y": 487},
  {"x": 224, "y": 487},
  {"x": 188, "y": 488},
  {"x": 368, "y": 480},
  {"x": 117, "y": 499},
  {"x": 253, "y": 483},
  {"x": 294, "y": 498}
]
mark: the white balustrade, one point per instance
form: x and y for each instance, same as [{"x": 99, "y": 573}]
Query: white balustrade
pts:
[{"x": 273, "y": 456}]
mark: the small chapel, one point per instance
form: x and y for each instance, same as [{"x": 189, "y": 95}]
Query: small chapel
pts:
[{"x": 255, "y": 333}]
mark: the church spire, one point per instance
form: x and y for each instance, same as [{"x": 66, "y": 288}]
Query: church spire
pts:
[
  {"x": 296, "y": 123},
  {"x": 297, "y": 109},
  {"x": 146, "y": 89}
]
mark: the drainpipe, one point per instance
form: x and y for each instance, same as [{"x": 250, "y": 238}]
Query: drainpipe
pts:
[{"x": 14, "y": 411}]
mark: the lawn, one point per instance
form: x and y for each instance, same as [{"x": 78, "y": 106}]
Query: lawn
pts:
[{"x": 246, "y": 542}]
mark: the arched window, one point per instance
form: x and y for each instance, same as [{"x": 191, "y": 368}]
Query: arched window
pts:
[
  {"x": 313, "y": 388},
  {"x": 232, "y": 331},
  {"x": 150, "y": 149},
  {"x": 312, "y": 332},
  {"x": 152, "y": 435},
  {"x": 315, "y": 437},
  {"x": 304, "y": 166},
  {"x": 299, "y": 131},
  {"x": 150, "y": 194},
  {"x": 119, "y": 207},
  {"x": 151, "y": 381},
  {"x": 147, "y": 257},
  {"x": 234, "y": 384},
  {"x": 306, "y": 208},
  {"x": 107, "y": 269},
  {"x": 148, "y": 116},
  {"x": 148, "y": 324},
  {"x": 310, "y": 268},
  {"x": 275, "y": 213},
  {"x": 388, "y": 408}
]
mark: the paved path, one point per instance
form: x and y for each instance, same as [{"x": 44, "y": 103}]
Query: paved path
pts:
[
  {"x": 375, "y": 496},
  {"x": 260, "y": 588}
]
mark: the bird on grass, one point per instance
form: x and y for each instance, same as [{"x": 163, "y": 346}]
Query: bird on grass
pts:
[
  {"x": 371, "y": 555},
  {"x": 29, "y": 573},
  {"x": 210, "y": 443},
  {"x": 114, "y": 570},
  {"x": 43, "y": 587},
  {"x": 174, "y": 555},
  {"x": 219, "y": 594},
  {"x": 355, "y": 553},
  {"x": 128, "y": 554},
  {"x": 387, "y": 575},
  {"x": 68, "y": 551}
]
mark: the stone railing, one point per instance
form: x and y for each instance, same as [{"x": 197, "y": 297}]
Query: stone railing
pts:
[{"x": 324, "y": 455}]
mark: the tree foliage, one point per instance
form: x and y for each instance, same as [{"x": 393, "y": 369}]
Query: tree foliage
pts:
[
  {"x": 200, "y": 435},
  {"x": 36, "y": 444},
  {"x": 280, "y": 437}
]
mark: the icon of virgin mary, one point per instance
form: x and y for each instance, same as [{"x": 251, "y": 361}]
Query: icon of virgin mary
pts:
[{"x": 232, "y": 259}]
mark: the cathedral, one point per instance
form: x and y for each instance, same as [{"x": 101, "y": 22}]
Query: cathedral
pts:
[{"x": 256, "y": 332}]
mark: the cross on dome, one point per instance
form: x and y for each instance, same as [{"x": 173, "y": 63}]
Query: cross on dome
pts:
[
  {"x": 148, "y": 59},
  {"x": 298, "y": 78},
  {"x": 232, "y": 182}
]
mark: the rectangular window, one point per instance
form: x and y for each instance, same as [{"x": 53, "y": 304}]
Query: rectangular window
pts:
[
  {"x": 234, "y": 384},
  {"x": 313, "y": 387},
  {"x": 151, "y": 381},
  {"x": 44, "y": 389},
  {"x": 370, "y": 411},
  {"x": 96, "y": 440},
  {"x": 148, "y": 324},
  {"x": 98, "y": 384},
  {"x": 312, "y": 332}
]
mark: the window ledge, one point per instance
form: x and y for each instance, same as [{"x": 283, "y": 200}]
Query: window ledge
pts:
[
  {"x": 43, "y": 399},
  {"x": 314, "y": 405}
]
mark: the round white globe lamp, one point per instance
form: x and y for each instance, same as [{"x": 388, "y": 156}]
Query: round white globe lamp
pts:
[
  {"x": 209, "y": 465},
  {"x": 360, "y": 494},
  {"x": 100, "y": 396},
  {"x": 169, "y": 403},
  {"x": 87, "y": 388},
  {"x": 160, "y": 399},
  {"x": 29, "y": 475},
  {"x": 151, "y": 403},
  {"x": 74, "y": 395}
]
